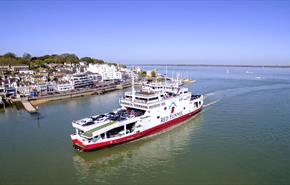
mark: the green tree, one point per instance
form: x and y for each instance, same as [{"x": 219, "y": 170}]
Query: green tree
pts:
[
  {"x": 98, "y": 61},
  {"x": 142, "y": 74},
  {"x": 8, "y": 59},
  {"x": 59, "y": 59},
  {"x": 10, "y": 55},
  {"x": 153, "y": 73},
  {"x": 39, "y": 62},
  {"x": 70, "y": 58},
  {"x": 26, "y": 58},
  {"x": 87, "y": 59}
]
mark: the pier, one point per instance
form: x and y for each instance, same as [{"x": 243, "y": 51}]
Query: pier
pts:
[{"x": 27, "y": 105}]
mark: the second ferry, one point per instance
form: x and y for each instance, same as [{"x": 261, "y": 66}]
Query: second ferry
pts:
[{"x": 151, "y": 109}]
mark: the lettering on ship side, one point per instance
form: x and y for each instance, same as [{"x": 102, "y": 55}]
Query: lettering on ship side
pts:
[{"x": 171, "y": 116}]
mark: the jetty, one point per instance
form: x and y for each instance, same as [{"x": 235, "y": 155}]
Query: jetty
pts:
[{"x": 27, "y": 105}]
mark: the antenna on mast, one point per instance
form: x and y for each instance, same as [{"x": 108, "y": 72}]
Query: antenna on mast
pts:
[
  {"x": 133, "y": 88},
  {"x": 166, "y": 75},
  {"x": 177, "y": 78}
]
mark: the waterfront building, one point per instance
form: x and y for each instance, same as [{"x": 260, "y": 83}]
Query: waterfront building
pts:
[
  {"x": 51, "y": 87},
  {"x": 25, "y": 90},
  {"x": 26, "y": 71},
  {"x": 108, "y": 72},
  {"x": 42, "y": 88},
  {"x": 4, "y": 68},
  {"x": 79, "y": 69},
  {"x": 81, "y": 81},
  {"x": 46, "y": 88},
  {"x": 2, "y": 90},
  {"x": 10, "y": 91},
  {"x": 64, "y": 86},
  {"x": 17, "y": 68},
  {"x": 83, "y": 63},
  {"x": 10, "y": 85},
  {"x": 94, "y": 76}
]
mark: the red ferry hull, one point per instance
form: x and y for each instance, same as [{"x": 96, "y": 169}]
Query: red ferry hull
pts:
[{"x": 144, "y": 133}]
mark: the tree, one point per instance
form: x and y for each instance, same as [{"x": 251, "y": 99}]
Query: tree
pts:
[
  {"x": 98, "y": 61},
  {"x": 87, "y": 59},
  {"x": 142, "y": 74},
  {"x": 70, "y": 58},
  {"x": 10, "y": 55},
  {"x": 58, "y": 59},
  {"x": 153, "y": 73},
  {"x": 39, "y": 62},
  {"x": 26, "y": 58},
  {"x": 8, "y": 59}
]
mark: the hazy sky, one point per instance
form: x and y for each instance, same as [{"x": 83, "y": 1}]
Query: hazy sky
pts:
[{"x": 212, "y": 32}]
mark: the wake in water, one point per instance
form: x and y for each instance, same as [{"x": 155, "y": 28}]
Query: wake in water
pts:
[
  {"x": 216, "y": 96},
  {"x": 209, "y": 97},
  {"x": 211, "y": 103}
]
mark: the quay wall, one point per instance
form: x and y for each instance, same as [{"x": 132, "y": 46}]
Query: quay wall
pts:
[
  {"x": 48, "y": 98},
  {"x": 44, "y": 99}
]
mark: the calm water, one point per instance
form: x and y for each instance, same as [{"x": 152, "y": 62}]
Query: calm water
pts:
[{"x": 241, "y": 137}]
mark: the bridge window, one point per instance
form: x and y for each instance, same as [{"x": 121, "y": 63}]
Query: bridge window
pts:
[{"x": 155, "y": 98}]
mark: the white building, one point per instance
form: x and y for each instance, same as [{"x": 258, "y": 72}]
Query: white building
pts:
[
  {"x": 20, "y": 67},
  {"x": 81, "y": 81},
  {"x": 25, "y": 71},
  {"x": 4, "y": 68},
  {"x": 25, "y": 90},
  {"x": 63, "y": 87},
  {"x": 2, "y": 90},
  {"x": 108, "y": 72},
  {"x": 95, "y": 77}
]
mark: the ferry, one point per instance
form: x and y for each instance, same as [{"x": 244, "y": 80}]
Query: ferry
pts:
[{"x": 152, "y": 109}]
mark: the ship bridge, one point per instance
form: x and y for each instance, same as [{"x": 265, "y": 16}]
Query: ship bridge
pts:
[{"x": 148, "y": 99}]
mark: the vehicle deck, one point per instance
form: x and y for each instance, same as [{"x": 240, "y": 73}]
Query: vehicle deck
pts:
[{"x": 90, "y": 132}]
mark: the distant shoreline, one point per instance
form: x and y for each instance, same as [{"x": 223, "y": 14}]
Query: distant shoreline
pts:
[{"x": 213, "y": 65}]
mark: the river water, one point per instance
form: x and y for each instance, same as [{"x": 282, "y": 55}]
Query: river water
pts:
[{"x": 241, "y": 137}]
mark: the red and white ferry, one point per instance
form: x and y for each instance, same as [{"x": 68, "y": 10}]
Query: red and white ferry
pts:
[{"x": 152, "y": 109}]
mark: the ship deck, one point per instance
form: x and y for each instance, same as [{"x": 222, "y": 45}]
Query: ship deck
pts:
[{"x": 89, "y": 133}]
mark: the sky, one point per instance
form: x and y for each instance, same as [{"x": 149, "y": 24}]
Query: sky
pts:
[{"x": 150, "y": 32}]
